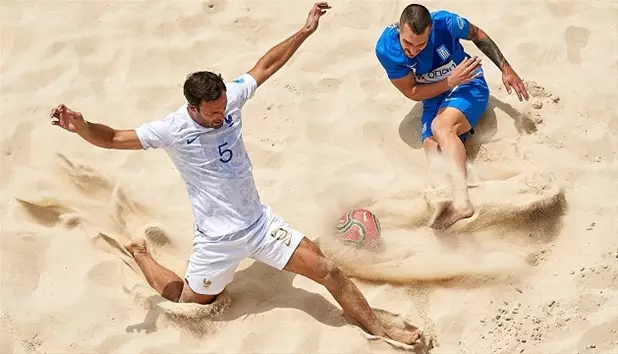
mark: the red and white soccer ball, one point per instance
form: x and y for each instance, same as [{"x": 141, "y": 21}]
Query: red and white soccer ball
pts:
[{"x": 361, "y": 229}]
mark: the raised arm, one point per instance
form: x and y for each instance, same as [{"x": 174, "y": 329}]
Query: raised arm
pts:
[
  {"x": 491, "y": 50},
  {"x": 277, "y": 56},
  {"x": 97, "y": 134}
]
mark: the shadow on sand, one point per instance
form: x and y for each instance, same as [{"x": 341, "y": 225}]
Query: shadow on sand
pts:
[{"x": 484, "y": 131}]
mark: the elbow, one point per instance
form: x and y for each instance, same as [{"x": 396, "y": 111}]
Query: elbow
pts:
[
  {"x": 107, "y": 145},
  {"x": 478, "y": 36},
  {"x": 415, "y": 98},
  {"x": 111, "y": 143},
  {"x": 412, "y": 94},
  {"x": 270, "y": 69}
]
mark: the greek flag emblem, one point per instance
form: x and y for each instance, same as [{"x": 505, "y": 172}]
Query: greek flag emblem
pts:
[{"x": 443, "y": 52}]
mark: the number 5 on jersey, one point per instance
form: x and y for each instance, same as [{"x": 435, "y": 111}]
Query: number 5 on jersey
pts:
[{"x": 226, "y": 154}]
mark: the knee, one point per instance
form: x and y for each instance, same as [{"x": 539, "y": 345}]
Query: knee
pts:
[
  {"x": 173, "y": 290},
  {"x": 441, "y": 128}
]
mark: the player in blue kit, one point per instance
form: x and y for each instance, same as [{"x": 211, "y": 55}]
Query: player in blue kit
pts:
[{"x": 424, "y": 59}]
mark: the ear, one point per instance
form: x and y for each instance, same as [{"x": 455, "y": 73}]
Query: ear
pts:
[{"x": 192, "y": 108}]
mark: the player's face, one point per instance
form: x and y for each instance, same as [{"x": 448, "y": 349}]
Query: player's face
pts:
[
  {"x": 413, "y": 43},
  {"x": 212, "y": 114}
]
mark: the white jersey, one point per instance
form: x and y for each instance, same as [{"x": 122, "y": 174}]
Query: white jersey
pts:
[{"x": 213, "y": 163}]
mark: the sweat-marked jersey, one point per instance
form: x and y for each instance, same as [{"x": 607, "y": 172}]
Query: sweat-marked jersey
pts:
[{"x": 213, "y": 163}]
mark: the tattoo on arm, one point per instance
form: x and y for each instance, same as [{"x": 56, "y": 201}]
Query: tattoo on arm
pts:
[{"x": 487, "y": 46}]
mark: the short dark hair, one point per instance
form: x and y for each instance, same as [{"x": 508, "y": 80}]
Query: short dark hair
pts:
[
  {"x": 203, "y": 86},
  {"x": 417, "y": 17}
]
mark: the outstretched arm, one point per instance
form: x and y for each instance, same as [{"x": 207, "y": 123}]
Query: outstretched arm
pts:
[
  {"x": 97, "y": 134},
  {"x": 277, "y": 56},
  {"x": 491, "y": 50},
  {"x": 108, "y": 138}
]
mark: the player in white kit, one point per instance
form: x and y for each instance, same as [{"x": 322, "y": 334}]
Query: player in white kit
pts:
[{"x": 204, "y": 140}]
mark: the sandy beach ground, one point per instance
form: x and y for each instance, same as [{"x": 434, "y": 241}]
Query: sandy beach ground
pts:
[{"x": 534, "y": 271}]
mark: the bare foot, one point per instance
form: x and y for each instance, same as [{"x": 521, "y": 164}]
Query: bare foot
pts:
[
  {"x": 137, "y": 246},
  {"x": 405, "y": 336},
  {"x": 448, "y": 214}
]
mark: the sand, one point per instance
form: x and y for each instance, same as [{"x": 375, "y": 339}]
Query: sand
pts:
[{"x": 533, "y": 271}]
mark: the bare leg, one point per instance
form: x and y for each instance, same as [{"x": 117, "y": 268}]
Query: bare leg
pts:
[
  {"x": 309, "y": 261},
  {"x": 446, "y": 127},
  {"x": 431, "y": 147},
  {"x": 163, "y": 280},
  {"x": 437, "y": 173}
]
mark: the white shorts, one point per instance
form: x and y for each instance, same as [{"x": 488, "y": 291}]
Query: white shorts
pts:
[{"x": 214, "y": 261}]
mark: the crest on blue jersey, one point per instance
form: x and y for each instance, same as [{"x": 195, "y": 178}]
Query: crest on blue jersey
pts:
[{"x": 443, "y": 52}]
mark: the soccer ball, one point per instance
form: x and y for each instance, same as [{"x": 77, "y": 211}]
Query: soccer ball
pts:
[{"x": 360, "y": 228}]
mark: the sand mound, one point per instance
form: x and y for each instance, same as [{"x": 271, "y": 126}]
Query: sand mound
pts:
[{"x": 514, "y": 219}]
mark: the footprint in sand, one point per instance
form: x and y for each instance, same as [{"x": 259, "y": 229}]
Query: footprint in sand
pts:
[
  {"x": 86, "y": 46},
  {"x": 7, "y": 334},
  {"x": 328, "y": 86},
  {"x": 590, "y": 304},
  {"x": 561, "y": 8},
  {"x": 602, "y": 337},
  {"x": 105, "y": 273},
  {"x": 55, "y": 49},
  {"x": 374, "y": 133},
  {"x": 23, "y": 257},
  {"x": 542, "y": 55},
  {"x": 194, "y": 23},
  {"x": 15, "y": 148},
  {"x": 576, "y": 39},
  {"x": 599, "y": 277},
  {"x": 369, "y": 85}
]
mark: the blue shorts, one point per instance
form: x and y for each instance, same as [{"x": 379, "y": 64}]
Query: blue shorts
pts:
[{"x": 471, "y": 99}]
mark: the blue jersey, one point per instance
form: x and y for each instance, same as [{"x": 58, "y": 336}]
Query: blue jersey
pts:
[{"x": 439, "y": 57}]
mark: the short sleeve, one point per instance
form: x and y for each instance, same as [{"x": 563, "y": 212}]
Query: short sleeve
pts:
[
  {"x": 389, "y": 53},
  {"x": 156, "y": 134},
  {"x": 241, "y": 90},
  {"x": 458, "y": 26},
  {"x": 393, "y": 70}
]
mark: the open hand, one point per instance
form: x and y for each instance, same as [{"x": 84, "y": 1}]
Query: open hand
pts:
[
  {"x": 512, "y": 81},
  {"x": 67, "y": 119},
  {"x": 465, "y": 72},
  {"x": 318, "y": 9}
]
